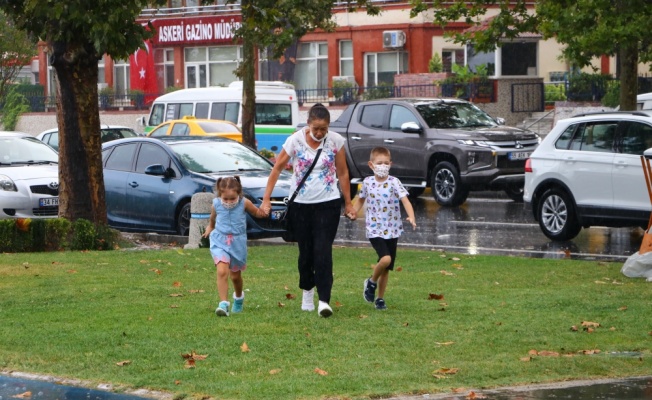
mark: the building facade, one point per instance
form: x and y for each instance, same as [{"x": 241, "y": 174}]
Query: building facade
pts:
[{"x": 194, "y": 46}]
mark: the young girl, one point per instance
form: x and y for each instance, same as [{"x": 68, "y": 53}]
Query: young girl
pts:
[{"x": 229, "y": 240}]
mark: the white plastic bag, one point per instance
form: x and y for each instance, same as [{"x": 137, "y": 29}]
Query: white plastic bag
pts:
[{"x": 638, "y": 266}]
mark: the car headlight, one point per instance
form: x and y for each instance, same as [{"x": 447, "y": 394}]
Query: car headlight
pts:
[
  {"x": 7, "y": 184},
  {"x": 468, "y": 142}
]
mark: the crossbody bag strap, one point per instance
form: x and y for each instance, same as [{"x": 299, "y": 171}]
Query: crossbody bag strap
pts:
[{"x": 305, "y": 176}]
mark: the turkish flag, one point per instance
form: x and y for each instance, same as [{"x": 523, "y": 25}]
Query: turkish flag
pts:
[{"x": 142, "y": 73}]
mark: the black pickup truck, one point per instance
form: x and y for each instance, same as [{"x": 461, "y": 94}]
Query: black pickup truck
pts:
[{"x": 449, "y": 145}]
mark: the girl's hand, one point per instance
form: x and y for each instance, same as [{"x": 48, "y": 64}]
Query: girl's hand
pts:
[
  {"x": 207, "y": 233},
  {"x": 412, "y": 221},
  {"x": 264, "y": 209},
  {"x": 261, "y": 214}
]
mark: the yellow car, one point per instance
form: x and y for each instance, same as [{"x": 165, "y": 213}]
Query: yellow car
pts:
[{"x": 191, "y": 126}]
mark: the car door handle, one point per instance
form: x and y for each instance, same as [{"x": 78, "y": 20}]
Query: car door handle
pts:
[
  {"x": 388, "y": 141},
  {"x": 133, "y": 184},
  {"x": 356, "y": 138}
]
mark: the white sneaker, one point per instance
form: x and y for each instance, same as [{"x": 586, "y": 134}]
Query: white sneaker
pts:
[
  {"x": 324, "y": 309},
  {"x": 308, "y": 302}
]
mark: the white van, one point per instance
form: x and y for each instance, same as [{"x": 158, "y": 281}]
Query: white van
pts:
[
  {"x": 644, "y": 101},
  {"x": 277, "y": 109}
]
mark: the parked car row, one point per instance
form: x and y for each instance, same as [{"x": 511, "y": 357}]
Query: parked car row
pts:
[
  {"x": 586, "y": 172},
  {"x": 149, "y": 182}
]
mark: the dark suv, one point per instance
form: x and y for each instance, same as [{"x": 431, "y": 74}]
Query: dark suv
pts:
[{"x": 449, "y": 145}]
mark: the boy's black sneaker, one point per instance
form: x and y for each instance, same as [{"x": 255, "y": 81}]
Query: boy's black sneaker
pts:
[
  {"x": 369, "y": 291},
  {"x": 380, "y": 304}
]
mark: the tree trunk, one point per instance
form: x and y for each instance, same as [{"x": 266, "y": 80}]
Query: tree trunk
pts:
[
  {"x": 248, "y": 81},
  {"x": 628, "y": 59},
  {"x": 81, "y": 181}
]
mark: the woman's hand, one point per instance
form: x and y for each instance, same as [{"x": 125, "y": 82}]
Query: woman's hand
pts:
[
  {"x": 265, "y": 208},
  {"x": 350, "y": 212}
]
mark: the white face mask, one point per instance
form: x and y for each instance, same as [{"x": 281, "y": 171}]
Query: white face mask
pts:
[
  {"x": 381, "y": 170},
  {"x": 315, "y": 139},
  {"x": 229, "y": 205}
]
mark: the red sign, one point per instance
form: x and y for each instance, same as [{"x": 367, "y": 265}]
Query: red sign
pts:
[{"x": 196, "y": 30}]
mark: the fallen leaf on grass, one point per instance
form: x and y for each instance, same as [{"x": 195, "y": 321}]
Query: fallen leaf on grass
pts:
[
  {"x": 442, "y": 373},
  {"x": 362, "y": 316},
  {"x": 435, "y": 296},
  {"x": 244, "y": 348},
  {"x": 24, "y": 395},
  {"x": 457, "y": 266},
  {"x": 123, "y": 363},
  {"x": 600, "y": 282},
  {"x": 446, "y": 273},
  {"x": 590, "y": 324},
  {"x": 177, "y": 382},
  {"x": 458, "y": 390},
  {"x": 623, "y": 308},
  {"x": 156, "y": 270},
  {"x": 193, "y": 291},
  {"x": 399, "y": 269},
  {"x": 573, "y": 328},
  {"x": 286, "y": 288},
  {"x": 174, "y": 306},
  {"x": 290, "y": 296},
  {"x": 190, "y": 363},
  {"x": 474, "y": 395},
  {"x": 176, "y": 295},
  {"x": 590, "y": 352},
  {"x": 194, "y": 356},
  {"x": 176, "y": 284},
  {"x": 546, "y": 353},
  {"x": 274, "y": 371},
  {"x": 321, "y": 372},
  {"x": 281, "y": 304},
  {"x": 338, "y": 304},
  {"x": 613, "y": 328},
  {"x": 454, "y": 259},
  {"x": 72, "y": 271},
  {"x": 444, "y": 343},
  {"x": 533, "y": 352},
  {"x": 526, "y": 359}
]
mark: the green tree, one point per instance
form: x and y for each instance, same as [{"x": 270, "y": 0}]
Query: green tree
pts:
[
  {"x": 77, "y": 34},
  {"x": 277, "y": 25},
  {"x": 588, "y": 28},
  {"x": 16, "y": 50}
]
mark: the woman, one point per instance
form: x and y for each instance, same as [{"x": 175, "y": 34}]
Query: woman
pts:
[{"x": 315, "y": 213}]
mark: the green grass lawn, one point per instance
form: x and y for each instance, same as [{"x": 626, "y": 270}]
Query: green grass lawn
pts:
[{"x": 80, "y": 314}]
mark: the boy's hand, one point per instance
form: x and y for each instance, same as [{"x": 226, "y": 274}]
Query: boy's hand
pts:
[{"x": 412, "y": 221}]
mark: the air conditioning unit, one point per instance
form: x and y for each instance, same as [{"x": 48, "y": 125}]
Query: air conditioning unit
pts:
[{"x": 393, "y": 39}]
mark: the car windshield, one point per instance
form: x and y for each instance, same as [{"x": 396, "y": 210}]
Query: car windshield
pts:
[
  {"x": 219, "y": 157},
  {"x": 218, "y": 127},
  {"x": 443, "y": 115},
  {"x": 25, "y": 150}
]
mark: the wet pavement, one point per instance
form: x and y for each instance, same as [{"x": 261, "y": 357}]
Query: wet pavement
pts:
[{"x": 489, "y": 223}]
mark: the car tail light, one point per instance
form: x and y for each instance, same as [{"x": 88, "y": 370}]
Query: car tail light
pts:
[{"x": 528, "y": 165}]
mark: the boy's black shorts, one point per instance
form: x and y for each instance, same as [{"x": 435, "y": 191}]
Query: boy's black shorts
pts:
[{"x": 385, "y": 247}]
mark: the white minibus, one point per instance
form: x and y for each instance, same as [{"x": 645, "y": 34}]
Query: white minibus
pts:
[{"x": 277, "y": 109}]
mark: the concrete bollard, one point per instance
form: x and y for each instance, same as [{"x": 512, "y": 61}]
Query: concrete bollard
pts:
[{"x": 200, "y": 211}]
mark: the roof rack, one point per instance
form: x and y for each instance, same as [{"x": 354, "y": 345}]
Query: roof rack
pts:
[{"x": 637, "y": 113}]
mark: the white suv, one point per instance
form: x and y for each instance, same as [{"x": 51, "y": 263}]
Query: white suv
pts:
[{"x": 587, "y": 171}]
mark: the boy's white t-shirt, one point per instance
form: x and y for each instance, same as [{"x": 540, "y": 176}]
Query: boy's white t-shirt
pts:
[
  {"x": 321, "y": 184},
  {"x": 383, "y": 215}
]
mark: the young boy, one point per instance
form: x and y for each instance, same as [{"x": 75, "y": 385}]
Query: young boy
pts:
[{"x": 383, "y": 193}]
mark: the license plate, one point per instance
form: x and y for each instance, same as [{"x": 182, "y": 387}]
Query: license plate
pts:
[
  {"x": 519, "y": 155},
  {"x": 50, "y": 201},
  {"x": 277, "y": 214}
]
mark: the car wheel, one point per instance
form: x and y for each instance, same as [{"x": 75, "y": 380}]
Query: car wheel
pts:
[
  {"x": 415, "y": 192},
  {"x": 557, "y": 217},
  {"x": 515, "y": 192},
  {"x": 183, "y": 220},
  {"x": 446, "y": 185}
]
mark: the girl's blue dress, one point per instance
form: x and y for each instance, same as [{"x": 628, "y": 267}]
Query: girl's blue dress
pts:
[{"x": 229, "y": 238}]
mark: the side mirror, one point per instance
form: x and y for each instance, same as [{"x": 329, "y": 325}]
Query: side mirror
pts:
[
  {"x": 411, "y": 127},
  {"x": 159, "y": 170},
  {"x": 500, "y": 121},
  {"x": 140, "y": 121}
]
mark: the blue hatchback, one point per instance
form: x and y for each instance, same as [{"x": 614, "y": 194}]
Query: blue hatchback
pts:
[{"x": 149, "y": 181}]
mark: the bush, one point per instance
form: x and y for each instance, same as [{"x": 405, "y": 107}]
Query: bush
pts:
[
  {"x": 587, "y": 87},
  {"x": 435, "y": 64},
  {"x": 24, "y": 234},
  {"x": 15, "y": 105},
  {"x": 612, "y": 97},
  {"x": 555, "y": 92},
  {"x": 382, "y": 91}
]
